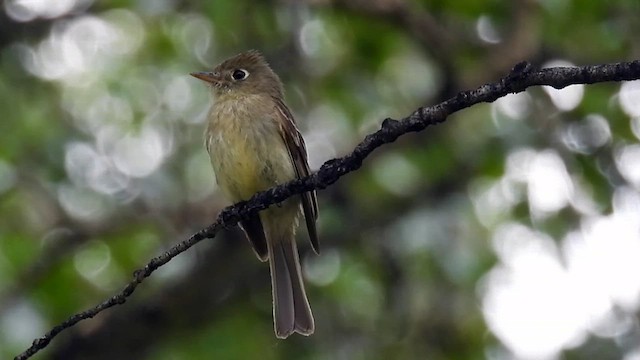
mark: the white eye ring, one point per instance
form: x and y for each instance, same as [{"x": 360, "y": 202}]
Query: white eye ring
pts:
[{"x": 240, "y": 74}]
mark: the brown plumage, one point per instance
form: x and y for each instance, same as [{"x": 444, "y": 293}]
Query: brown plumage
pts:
[{"x": 254, "y": 144}]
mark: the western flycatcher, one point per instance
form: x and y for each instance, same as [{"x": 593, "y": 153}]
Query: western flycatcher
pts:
[{"x": 254, "y": 144}]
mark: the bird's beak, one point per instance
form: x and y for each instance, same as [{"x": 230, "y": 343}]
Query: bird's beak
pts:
[{"x": 207, "y": 76}]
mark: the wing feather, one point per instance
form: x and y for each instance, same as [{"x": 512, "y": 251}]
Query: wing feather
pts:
[
  {"x": 252, "y": 227},
  {"x": 298, "y": 154}
]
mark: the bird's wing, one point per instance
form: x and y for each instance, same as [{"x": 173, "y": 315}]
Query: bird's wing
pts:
[
  {"x": 252, "y": 227},
  {"x": 298, "y": 154}
]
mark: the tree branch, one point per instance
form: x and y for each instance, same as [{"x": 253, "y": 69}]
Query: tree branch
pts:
[{"x": 520, "y": 78}]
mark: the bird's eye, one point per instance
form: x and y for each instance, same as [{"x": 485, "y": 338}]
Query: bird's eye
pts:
[{"x": 240, "y": 74}]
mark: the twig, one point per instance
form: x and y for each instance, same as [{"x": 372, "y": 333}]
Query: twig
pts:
[{"x": 521, "y": 77}]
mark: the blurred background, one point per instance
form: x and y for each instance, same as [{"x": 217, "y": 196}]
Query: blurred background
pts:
[{"x": 512, "y": 231}]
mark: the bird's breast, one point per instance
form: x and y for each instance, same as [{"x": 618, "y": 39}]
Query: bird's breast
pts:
[{"x": 246, "y": 149}]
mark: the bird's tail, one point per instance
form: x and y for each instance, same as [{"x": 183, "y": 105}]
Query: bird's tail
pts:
[{"x": 291, "y": 311}]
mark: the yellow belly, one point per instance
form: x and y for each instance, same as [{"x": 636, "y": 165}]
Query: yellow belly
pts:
[{"x": 247, "y": 154}]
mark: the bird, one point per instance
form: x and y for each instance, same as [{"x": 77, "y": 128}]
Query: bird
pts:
[{"x": 254, "y": 144}]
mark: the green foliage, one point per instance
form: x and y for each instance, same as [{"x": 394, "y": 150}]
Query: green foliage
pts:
[{"x": 102, "y": 168}]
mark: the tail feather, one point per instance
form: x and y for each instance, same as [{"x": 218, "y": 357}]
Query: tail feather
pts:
[
  {"x": 291, "y": 311},
  {"x": 304, "y": 323}
]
